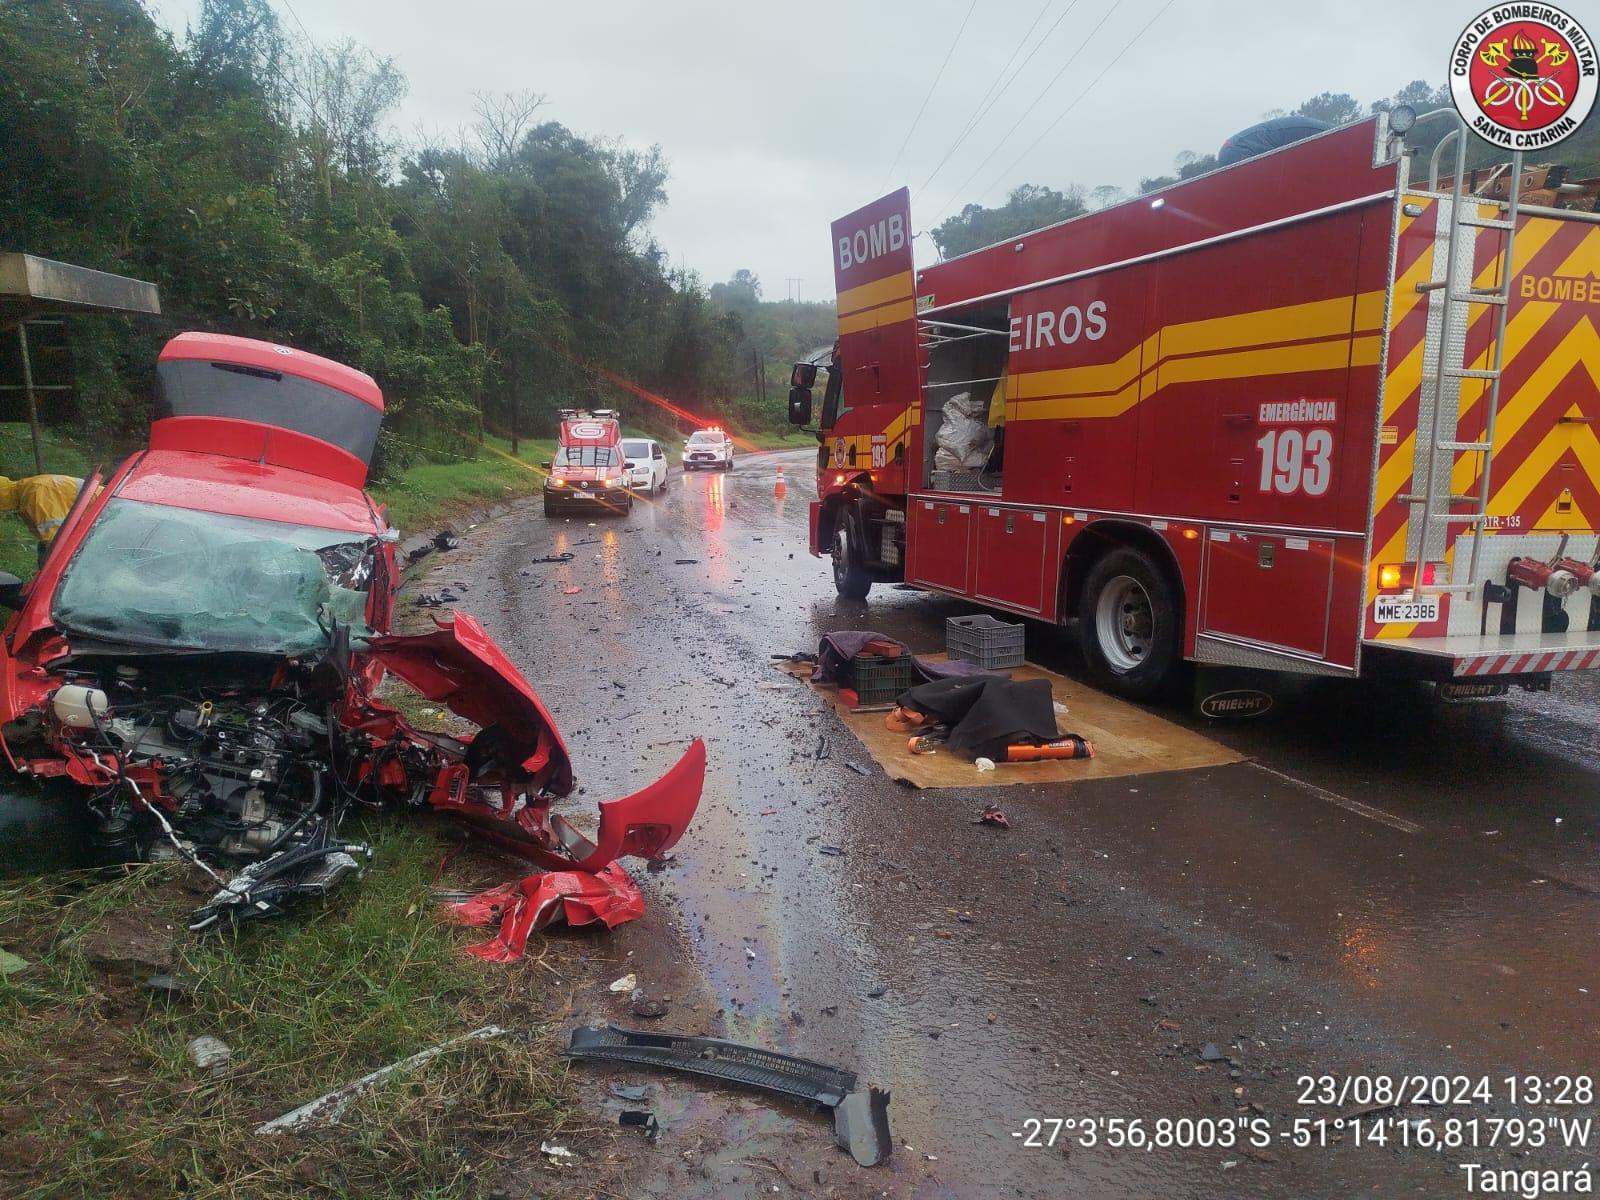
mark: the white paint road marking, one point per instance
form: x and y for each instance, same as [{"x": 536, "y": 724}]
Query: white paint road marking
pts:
[{"x": 1355, "y": 806}]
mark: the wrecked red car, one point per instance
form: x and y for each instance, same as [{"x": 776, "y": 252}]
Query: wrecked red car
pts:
[{"x": 202, "y": 646}]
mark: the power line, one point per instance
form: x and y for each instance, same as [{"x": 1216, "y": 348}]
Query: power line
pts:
[
  {"x": 978, "y": 110},
  {"x": 973, "y": 121},
  {"x": 938, "y": 75},
  {"x": 1088, "y": 89},
  {"x": 1017, "y": 124}
]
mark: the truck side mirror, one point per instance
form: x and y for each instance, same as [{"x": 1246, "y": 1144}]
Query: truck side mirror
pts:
[
  {"x": 800, "y": 404},
  {"x": 10, "y": 591},
  {"x": 804, "y": 375},
  {"x": 545, "y": 464}
]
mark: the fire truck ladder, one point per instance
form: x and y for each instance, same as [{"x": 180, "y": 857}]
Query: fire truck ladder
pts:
[{"x": 1447, "y": 376}]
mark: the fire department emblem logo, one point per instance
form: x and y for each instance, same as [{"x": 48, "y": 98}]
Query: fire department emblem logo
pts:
[{"x": 1523, "y": 76}]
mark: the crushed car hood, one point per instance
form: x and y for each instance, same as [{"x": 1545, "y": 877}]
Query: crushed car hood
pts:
[{"x": 460, "y": 666}]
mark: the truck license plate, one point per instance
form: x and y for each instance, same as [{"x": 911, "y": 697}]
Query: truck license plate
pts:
[{"x": 1391, "y": 610}]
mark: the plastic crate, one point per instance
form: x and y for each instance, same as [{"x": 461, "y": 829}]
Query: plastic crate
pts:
[
  {"x": 878, "y": 680},
  {"x": 983, "y": 640},
  {"x": 941, "y": 480}
]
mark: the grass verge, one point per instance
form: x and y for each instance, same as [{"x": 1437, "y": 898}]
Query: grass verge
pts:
[
  {"x": 98, "y": 1096},
  {"x": 19, "y": 551},
  {"x": 788, "y": 439},
  {"x": 431, "y": 493}
]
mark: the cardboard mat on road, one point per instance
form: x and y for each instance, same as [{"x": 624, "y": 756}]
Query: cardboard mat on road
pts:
[{"x": 1127, "y": 740}]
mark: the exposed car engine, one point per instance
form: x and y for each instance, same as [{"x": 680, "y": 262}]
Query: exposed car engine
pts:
[{"x": 223, "y": 771}]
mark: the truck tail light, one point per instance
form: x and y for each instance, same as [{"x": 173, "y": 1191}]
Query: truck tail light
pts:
[{"x": 1393, "y": 576}]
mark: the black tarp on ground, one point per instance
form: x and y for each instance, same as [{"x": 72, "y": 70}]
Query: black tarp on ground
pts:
[{"x": 986, "y": 713}]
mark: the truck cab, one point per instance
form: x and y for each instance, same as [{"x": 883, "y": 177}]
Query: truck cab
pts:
[{"x": 588, "y": 470}]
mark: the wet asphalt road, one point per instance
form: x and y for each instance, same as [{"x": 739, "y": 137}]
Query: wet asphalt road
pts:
[{"x": 1390, "y": 886}]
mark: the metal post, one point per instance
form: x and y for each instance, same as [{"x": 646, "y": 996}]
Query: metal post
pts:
[{"x": 33, "y": 404}]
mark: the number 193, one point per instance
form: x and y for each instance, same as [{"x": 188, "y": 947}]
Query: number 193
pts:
[{"x": 1296, "y": 461}]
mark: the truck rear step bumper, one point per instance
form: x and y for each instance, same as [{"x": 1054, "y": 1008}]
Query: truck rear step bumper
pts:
[{"x": 1505, "y": 654}]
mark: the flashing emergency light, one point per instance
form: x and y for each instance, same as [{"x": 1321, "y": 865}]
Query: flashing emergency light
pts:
[{"x": 1389, "y": 575}]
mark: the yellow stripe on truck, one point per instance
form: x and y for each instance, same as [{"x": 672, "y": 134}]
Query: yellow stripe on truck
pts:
[
  {"x": 879, "y": 291},
  {"x": 884, "y": 314}
]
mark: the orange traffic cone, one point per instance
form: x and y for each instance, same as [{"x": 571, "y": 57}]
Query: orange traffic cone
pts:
[{"x": 780, "y": 488}]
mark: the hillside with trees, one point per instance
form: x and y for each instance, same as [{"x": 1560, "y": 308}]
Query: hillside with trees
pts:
[{"x": 248, "y": 173}]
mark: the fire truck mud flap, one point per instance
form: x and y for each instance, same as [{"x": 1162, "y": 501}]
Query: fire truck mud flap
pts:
[{"x": 460, "y": 666}]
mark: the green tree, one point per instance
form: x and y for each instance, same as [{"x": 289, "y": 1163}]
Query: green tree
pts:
[{"x": 1028, "y": 207}]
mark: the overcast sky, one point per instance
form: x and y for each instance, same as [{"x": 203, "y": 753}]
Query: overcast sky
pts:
[{"x": 777, "y": 118}]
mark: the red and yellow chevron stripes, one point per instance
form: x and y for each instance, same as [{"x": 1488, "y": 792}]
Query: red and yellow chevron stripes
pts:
[{"x": 1546, "y": 465}]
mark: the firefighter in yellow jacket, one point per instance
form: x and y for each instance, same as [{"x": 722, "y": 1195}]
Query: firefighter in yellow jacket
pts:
[{"x": 43, "y": 501}]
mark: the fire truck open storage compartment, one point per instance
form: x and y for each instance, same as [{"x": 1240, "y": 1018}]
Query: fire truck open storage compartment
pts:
[{"x": 966, "y": 355}]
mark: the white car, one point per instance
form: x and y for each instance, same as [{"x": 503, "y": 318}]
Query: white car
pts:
[
  {"x": 710, "y": 448},
  {"x": 644, "y": 464}
]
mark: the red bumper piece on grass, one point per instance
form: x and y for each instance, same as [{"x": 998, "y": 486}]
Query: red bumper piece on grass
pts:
[{"x": 579, "y": 897}]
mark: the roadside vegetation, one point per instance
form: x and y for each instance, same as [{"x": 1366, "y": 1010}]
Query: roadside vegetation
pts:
[
  {"x": 484, "y": 282},
  {"x": 19, "y": 552},
  {"x": 425, "y": 494},
  {"x": 100, "y": 1097}
]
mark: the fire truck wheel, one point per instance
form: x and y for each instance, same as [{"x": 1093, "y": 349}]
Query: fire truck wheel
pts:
[
  {"x": 1128, "y": 623},
  {"x": 849, "y": 573}
]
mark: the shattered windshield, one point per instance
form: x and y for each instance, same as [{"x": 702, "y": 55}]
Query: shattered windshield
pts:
[
  {"x": 159, "y": 576},
  {"x": 587, "y": 456}
]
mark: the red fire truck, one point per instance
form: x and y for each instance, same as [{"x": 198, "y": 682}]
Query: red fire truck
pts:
[{"x": 1319, "y": 411}]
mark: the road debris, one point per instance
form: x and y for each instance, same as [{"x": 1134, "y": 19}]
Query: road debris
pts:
[
  {"x": 209, "y": 1053},
  {"x": 649, "y": 1007},
  {"x": 564, "y": 557},
  {"x": 536, "y": 901},
  {"x": 436, "y": 599},
  {"x": 861, "y": 1128},
  {"x": 559, "y": 1156},
  {"x": 571, "y": 591},
  {"x": 993, "y": 816},
  {"x": 857, "y": 768},
  {"x": 328, "y": 1108},
  {"x": 983, "y": 764},
  {"x": 638, "y": 1118},
  {"x": 625, "y": 984},
  {"x": 170, "y": 986}
]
